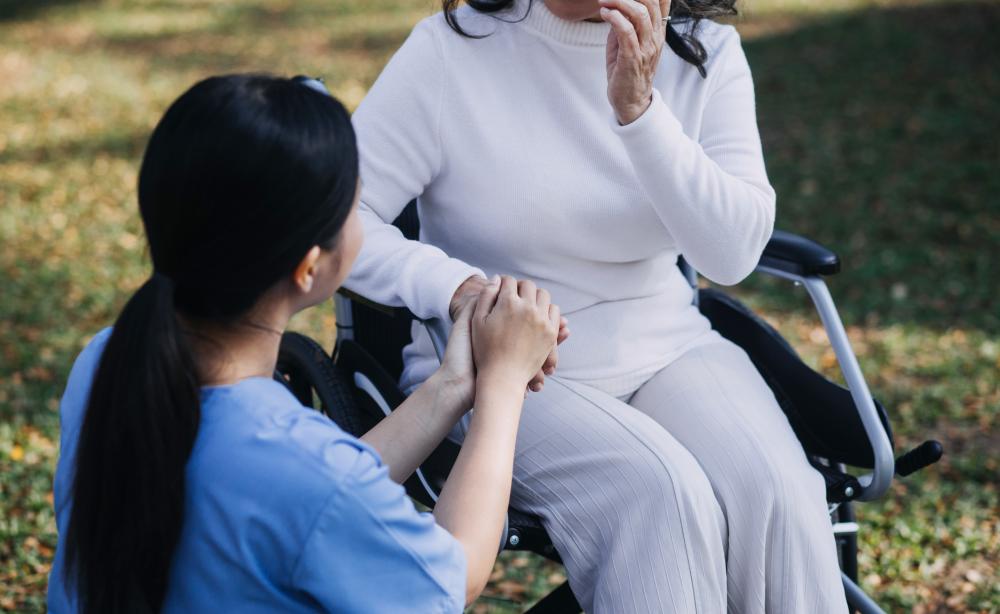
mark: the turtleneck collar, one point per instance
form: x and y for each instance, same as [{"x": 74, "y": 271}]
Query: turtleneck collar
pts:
[{"x": 541, "y": 20}]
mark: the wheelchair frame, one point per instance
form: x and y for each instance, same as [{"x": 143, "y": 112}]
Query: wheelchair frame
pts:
[{"x": 788, "y": 257}]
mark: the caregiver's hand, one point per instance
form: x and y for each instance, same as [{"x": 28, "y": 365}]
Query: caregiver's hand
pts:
[
  {"x": 458, "y": 371},
  {"x": 469, "y": 291},
  {"x": 633, "y": 53},
  {"x": 514, "y": 328}
]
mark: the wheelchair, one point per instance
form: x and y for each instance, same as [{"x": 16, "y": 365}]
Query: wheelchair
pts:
[{"x": 838, "y": 427}]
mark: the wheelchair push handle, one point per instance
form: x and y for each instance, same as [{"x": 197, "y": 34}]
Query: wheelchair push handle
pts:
[{"x": 916, "y": 459}]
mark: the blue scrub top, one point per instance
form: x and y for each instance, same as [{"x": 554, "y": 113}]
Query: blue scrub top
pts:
[{"x": 283, "y": 512}]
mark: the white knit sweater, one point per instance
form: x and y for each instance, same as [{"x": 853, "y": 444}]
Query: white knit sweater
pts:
[{"x": 520, "y": 167}]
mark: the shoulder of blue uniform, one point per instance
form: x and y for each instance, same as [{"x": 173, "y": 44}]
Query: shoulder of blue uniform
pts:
[
  {"x": 95, "y": 347},
  {"x": 85, "y": 366},
  {"x": 315, "y": 437}
]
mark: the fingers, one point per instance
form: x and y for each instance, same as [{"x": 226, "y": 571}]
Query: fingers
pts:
[
  {"x": 543, "y": 300},
  {"x": 487, "y": 298},
  {"x": 551, "y": 361},
  {"x": 537, "y": 383},
  {"x": 639, "y": 14},
  {"x": 508, "y": 288},
  {"x": 555, "y": 320},
  {"x": 558, "y": 322},
  {"x": 527, "y": 290},
  {"x": 470, "y": 286},
  {"x": 465, "y": 311},
  {"x": 563, "y": 330},
  {"x": 628, "y": 40},
  {"x": 656, "y": 13}
]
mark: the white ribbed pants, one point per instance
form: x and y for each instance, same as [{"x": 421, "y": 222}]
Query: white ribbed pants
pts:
[{"x": 694, "y": 496}]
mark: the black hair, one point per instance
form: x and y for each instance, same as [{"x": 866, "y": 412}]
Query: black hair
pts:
[
  {"x": 242, "y": 176},
  {"x": 685, "y": 44}
]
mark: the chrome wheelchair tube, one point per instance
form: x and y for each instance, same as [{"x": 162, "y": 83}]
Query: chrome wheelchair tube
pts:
[
  {"x": 691, "y": 275},
  {"x": 857, "y": 599},
  {"x": 345, "y": 316},
  {"x": 876, "y": 483}
]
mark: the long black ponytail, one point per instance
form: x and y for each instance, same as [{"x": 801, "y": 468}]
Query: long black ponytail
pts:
[{"x": 242, "y": 176}]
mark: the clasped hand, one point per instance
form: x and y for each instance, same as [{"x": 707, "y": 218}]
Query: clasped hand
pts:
[{"x": 505, "y": 343}]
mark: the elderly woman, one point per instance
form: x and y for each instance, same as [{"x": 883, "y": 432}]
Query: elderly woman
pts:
[{"x": 558, "y": 142}]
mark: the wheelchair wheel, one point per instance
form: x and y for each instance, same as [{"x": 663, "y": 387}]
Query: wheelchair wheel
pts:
[{"x": 310, "y": 374}]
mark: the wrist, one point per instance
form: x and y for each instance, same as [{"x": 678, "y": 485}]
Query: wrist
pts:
[
  {"x": 634, "y": 111},
  {"x": 454, "y": 391},
  {"x": 499, "y": 380}
]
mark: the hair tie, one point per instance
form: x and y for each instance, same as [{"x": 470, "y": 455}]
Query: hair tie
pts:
[{"x": 313, "y": 83}]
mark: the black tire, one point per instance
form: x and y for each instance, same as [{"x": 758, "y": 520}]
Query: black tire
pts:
[{"x": 311, "y": 375}]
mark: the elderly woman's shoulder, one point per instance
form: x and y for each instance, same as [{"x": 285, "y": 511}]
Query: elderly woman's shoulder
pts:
[
  {"x": 720, "y": 41},
  {"x": 712, "y": 35}
]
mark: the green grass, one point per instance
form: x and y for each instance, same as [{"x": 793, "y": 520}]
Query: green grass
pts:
[{"x": 879, "y": 122}]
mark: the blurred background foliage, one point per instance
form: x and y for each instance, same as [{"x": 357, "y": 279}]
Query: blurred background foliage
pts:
[{"x": 880, "y": 121}]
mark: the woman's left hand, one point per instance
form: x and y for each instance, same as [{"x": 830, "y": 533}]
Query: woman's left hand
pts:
[{"x": 633, "y": 53}]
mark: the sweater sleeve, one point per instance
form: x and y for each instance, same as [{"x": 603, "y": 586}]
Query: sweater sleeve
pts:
[
  {"x": 398, "y": 134},
  {"x": 713, "y": 194}
]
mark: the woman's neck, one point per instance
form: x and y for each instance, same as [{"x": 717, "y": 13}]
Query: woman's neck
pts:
[{"x": 246, "y": 347}]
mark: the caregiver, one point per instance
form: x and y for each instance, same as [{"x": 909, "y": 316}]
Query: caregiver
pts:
[
  {"x": 559, "y": 142},
  {"x": 189, "y": 480}
]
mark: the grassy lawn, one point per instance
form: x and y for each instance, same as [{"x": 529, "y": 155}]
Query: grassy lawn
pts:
[{"x": 880, "y": 121}]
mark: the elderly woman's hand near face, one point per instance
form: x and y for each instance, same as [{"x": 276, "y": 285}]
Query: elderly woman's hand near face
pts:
[
  {"x": 470, "y": 290},
  {"x": 638, "y": 31}
]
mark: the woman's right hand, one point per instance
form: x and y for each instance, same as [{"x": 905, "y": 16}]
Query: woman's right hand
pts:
[{"x": 514, "y": 328}]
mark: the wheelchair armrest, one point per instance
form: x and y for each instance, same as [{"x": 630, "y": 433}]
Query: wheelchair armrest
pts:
[
  {"x": 385, "y": 309},
  {"x": 798, "y": 255}
]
